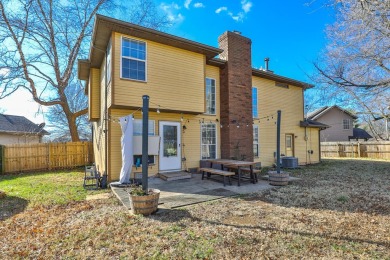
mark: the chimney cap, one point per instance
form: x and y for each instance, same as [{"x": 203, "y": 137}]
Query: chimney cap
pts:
[{"x": 237, "y": 32}]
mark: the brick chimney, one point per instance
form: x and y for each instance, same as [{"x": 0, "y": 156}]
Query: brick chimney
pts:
[{"x": 236, "y": 97}]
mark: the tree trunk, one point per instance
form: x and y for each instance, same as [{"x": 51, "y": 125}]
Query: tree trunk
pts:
[{"x": 73, "y": 129}]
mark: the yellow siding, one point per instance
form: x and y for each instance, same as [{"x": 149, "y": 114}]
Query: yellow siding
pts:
[
  {"x": 175, "y": 79},
  {"x": 94, "y": 94},
  {"x": 313, "y": 145},
  {"x": 98, "y": 139},
  {"x": 190, "y": 137},
  {"x": 290, "y": 101}
]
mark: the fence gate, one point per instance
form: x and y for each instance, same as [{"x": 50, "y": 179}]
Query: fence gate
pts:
[{"x": 1, "y": 159}]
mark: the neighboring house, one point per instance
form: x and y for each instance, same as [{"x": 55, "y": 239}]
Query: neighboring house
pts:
[
  {"x": 201, "y": 106},
  {"x": 340, "y": 122},
  {"x": 19, "y": 130}
]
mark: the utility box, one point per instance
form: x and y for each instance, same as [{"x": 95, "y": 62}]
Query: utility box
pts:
[{"x": 289, "y": 162}]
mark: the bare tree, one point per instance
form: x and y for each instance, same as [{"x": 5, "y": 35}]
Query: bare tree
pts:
[
  {"x": 42, "y": 39},
  {"x": 358, "y": 52},
  {"x": 57, "y": 119},
  {"x": 354, "y": 69}
]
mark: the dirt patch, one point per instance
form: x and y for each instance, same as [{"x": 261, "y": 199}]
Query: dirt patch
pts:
[{"x": 101, "y": 196}]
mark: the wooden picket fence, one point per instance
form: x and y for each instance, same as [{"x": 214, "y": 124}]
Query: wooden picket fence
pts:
[
  {"x": 45, "y": 156},
  {"x": 373, "y": 150}
]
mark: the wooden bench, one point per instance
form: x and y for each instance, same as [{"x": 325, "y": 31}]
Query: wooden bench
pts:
[
  {"x": 256, "y": 170},
  {"x": 217, "y": 172}
]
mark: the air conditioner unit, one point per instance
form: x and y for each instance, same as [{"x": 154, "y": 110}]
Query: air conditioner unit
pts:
[{"x": 289, "y": 162}]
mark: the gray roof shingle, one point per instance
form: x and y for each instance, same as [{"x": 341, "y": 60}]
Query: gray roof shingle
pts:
[{"x": 19, "y": 124}]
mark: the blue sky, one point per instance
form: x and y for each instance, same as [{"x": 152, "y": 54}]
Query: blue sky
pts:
[{"x": 290, "y": 33}]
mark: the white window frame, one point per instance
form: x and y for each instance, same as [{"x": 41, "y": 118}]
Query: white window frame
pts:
[
  {"x": 215, "y": 96},
  {"x": 151, "y": 122},
  {"x": 201, "y": 141},
  {"x": 255, "y": 107},
  {"x": 347, "y": 122},
  {"x": 139, "y": 121},
  {"x": 254, "y": 141},
  {"x": 131, "y": 58}
]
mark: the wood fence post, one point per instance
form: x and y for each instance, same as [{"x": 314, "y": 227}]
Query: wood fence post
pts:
[
  {"x": 48, "y": 156},
  {"x": 358, "y": 147}
]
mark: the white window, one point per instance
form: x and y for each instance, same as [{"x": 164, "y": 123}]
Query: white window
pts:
[
  {"x": 137, "y": 127},
  {"x": 256, "y": 151},
  {"x": 108, "y": 62},
  {"x": 255, "y": 112},
  {"x": 210, "y": 96},
  {"x": 137, "y": 130},
  {"x": 346, "y": 124},
  {"x": 208, "y": 141},
  {"x": 133, "y": 59}
]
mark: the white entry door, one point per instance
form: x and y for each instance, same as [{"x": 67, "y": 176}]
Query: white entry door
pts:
[{"x": 170, "y": 147}]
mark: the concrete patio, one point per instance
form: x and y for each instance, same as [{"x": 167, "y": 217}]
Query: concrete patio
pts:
[{"x": 185, "y": 192}]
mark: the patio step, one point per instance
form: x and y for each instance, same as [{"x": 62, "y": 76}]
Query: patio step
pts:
[{"x": 173, "y": 176}]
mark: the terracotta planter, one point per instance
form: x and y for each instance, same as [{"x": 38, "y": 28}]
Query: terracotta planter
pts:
[
  {"x": 146, "y": 204},
  {"x": 278, "y": 179}
]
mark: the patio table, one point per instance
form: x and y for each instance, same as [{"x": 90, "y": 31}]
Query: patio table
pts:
[{"x": 235, "y": 164}]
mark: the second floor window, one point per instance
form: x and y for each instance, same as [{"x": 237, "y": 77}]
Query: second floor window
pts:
[
  {"x": 133, "y": 59},
  {"x": 210, "y": 96},
  {"x": 346, "y": 124},
  {"x": 255, "y": 112}
]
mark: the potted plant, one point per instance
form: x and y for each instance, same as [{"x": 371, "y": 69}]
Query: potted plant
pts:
[{"x": 142, "y": 202}]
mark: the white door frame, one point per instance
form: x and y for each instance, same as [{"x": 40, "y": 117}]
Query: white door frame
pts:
[{"x": 169, "y": 163}]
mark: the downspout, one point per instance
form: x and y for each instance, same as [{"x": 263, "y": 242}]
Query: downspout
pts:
[
  {"x": 319, "y": 145},
  {"x": 306, "y": 138}
]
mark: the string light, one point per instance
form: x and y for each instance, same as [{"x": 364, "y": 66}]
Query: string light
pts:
[{"x": 158, "y": 111}]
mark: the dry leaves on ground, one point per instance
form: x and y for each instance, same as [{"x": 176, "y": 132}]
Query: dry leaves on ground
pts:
[{"x": 340, "y": 209}]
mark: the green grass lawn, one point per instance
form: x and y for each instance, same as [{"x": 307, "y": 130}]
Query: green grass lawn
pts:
[{"x": 41, "y": 189}]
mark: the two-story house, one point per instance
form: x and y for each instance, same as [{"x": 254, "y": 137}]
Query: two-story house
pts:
[
  {"x": 200, "y": 105},
  {"x": 340, "y": 122}
]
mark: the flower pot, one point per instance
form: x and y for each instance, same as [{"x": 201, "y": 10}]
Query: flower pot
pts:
[
  {"x": 146, "y": 204},
  {"x": 278, "y": 179}
]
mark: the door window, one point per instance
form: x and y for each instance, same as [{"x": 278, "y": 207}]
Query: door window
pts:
[{"x": 170, "y": 140}]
